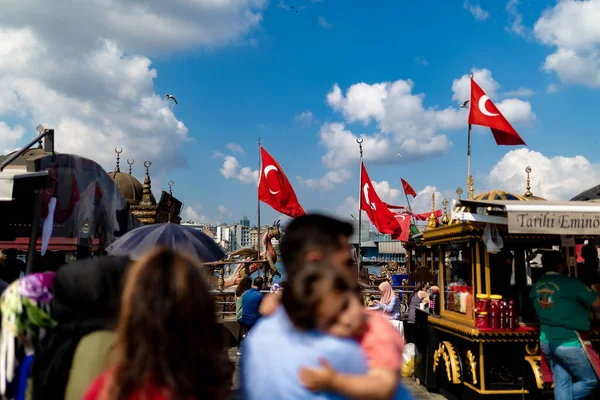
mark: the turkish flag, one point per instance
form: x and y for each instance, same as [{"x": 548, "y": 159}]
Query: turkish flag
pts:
[
  {"x": 393, "y": 207},
  {"x": 483, "y": 112},
  {"x": 408, "y": 190},
  {"x": 404, "y": 222},
  {"x": 275, "y": 189},
  {"x": 425, "y": 216},
  {"x": 383, "y": 219}
]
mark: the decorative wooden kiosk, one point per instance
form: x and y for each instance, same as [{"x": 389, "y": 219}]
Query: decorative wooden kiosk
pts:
[{"x": 456, "y": 357}]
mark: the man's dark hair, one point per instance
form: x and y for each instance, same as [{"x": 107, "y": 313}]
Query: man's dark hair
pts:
[
  {"x": 309, "y": 232},
  {"x": 589, "y": 252},
  {"x": 258, "y": 282},
  {"x": 551, "y": 259}
]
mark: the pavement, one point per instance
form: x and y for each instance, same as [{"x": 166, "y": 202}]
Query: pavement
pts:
[{"x": 417, "y": 390}]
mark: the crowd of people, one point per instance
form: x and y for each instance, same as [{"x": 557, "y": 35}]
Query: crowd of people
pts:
[{"x": 114, "y": 328}]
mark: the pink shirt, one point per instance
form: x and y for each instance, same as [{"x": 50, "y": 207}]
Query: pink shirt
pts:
[{"x": 382, "y": 344}]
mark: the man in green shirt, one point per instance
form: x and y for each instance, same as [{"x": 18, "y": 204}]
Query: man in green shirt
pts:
[{"x": 562, "y": 305}]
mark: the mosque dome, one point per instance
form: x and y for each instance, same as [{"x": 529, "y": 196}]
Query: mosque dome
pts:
[
  {"x": 498, "y": 195},
  {"x": 129, "y": 186}
]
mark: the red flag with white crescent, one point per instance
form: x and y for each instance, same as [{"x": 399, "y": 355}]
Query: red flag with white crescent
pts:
[
  {"x": 404, "y": 222},
  {"x": 483, "y": 112},
  {"x": 275, "y": 189},
  {"x": 378, "y": 212},
  {"x": 425, "y": 216}
]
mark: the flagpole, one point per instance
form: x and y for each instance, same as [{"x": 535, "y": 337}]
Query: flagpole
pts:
[
  {"x": 469, "y": 155},
  {"x": 469, "y": 179},
  {"x": 258, "y": 197},
  {"x": 410, "y": 211},
  {"x": 358, "y": 261}
]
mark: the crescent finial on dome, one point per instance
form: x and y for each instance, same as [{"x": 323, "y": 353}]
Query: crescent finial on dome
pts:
[
  {"x": 130, "y": 164},
  {"x": 118, "y": 150}
]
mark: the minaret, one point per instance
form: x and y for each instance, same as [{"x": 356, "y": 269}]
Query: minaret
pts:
[
  {"x": 445, "y": 218},
  {"x": 528, "y": 187},
  {"x": 433, "y": 223},
  {"x": 147, "y": 196}
]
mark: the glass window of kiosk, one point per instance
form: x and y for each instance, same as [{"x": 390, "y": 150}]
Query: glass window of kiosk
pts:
[{"x": 458, "y": 279}]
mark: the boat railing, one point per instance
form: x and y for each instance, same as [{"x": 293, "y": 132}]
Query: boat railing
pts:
[{"x": 225, "y": 300}]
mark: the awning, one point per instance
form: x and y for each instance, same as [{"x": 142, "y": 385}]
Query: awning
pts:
[
  {"x": 9, "y": 179},
  {"x": 537, "y": 217}
]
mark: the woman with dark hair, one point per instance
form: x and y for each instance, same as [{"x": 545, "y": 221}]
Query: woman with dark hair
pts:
[
  {"x": 168, "y": 345},
  {"x": 243, "y": 286}
]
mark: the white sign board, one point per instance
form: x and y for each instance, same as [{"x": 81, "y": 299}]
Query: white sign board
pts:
[{"x": 556, "y": 223}]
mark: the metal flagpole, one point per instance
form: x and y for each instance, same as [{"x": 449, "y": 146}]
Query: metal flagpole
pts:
[
  {"x": 360, "y": 142},
  {"x": 412, "y": 216},
  {"x": 469, "y": 179},
  {"x": 469, "y": 155},
  {"x": 257, "y": 196}
]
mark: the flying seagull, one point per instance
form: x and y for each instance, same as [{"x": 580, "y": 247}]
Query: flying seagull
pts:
[
  {"x": 170, "y": 96},
  {"x": 464, "y": 105}
]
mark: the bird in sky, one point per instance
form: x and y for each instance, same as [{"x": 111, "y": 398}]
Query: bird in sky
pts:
[
  {"x": 170, "y": 96},
  {"x": 464, "y": 105}
]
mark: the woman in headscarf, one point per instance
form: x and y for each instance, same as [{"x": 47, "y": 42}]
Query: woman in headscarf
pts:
[
  {"x": 169, "y": 345},
  {"x": 389, "y": 303},
  {"x": 25, "y": 307}
]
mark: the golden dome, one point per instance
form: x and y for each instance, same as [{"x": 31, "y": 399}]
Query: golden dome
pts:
[
  {"x": 499, "y": 195},
  {"x": 128, "y": 185}
]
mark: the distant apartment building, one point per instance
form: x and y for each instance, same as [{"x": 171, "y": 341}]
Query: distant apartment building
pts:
[
  {"x": 209, "y": 230},
  {"x": 241, "y": 236},
  {"x": 225, "y": 238},
  {"x": 245, "y": 222},
  {"x": 253, "y": 241}
]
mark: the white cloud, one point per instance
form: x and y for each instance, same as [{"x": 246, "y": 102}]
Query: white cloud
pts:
[
  {"x": 520, "y": 92},
  {"x": 323, "y": 23},
  {"x": 92, "y": 83},
  {"x": 9, "y": 137},
  {"x": 232, "y": 169},
  {"x": 404, "y": 124},
  {"x": 516, "y": 19},
  {"x": 552, "y": 88},
  {"x": 236, "y": 148},
  {"x": 553, "y": 178},
  {"x": 225, "y": 212},
  {"x": 385, "y": 192},
  {"x": 329, "y": 181},
  {"x": 304, "y": 118},
  {"x": 191, "y": 214},
  {"x": 421, "y": 61},
  {"x": 348, "y": 207},
  {"x": 475, "y": 9},
  {"x": 572, "y": 28}
]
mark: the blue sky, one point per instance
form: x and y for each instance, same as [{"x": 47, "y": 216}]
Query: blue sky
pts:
[{"x": 255, "y": 80}]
